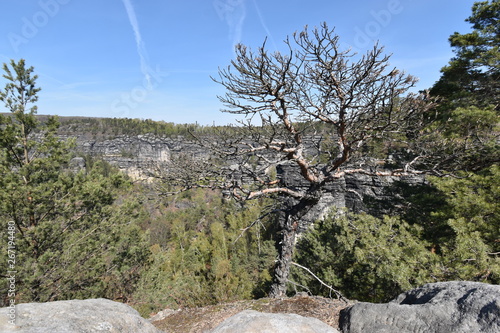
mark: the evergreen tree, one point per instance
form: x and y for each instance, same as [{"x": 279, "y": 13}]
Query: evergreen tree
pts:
[
  {"x": 472, "y": 214},
  {"x": 205, "y": 257},
  {"x": 70, "y": 239},
  {"x": 466, "y": 136},
  {"x": 452, "y": 232},
  {"x": 367, "y": 258},
  {"x": 472, "y": 77}
]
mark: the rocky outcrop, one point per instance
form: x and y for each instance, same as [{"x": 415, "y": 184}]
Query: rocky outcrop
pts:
[
  {"x": 75, "y": 316},
  {"x": 250, "y": 321},
  {"x": 207, "y": 318},
  {"x": 135, "y": 154},
  {"x": 357, "y": 192},
  {"x": 459, "y": 307},
  {"x": 138, "y": 155}
]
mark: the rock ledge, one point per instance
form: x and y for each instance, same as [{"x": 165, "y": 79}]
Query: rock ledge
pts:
[{"x": 76, "y": 316}]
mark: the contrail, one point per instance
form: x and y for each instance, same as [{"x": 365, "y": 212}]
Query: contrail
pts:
[
  {"x": 236, "y": 23},
  {"x": 234, "y": 13},
  {"x": 141, "y": 49},
  {"x": 263, "y": 23}
]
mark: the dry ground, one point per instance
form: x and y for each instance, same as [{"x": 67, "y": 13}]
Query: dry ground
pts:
[{"x": 199, "y": 320}]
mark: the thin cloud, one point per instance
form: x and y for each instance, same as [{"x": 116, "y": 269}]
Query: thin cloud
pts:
[
  {"x": 235, "y": 14},
  {"x": 237, "y": 27},
  {"x": 141, "y": 49},
  {"x": 263, "y": 23}
]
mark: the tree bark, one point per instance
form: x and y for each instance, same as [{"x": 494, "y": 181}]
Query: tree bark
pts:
[
  {"x": 285, "y": 244},
  {"x": 288, "y": 222}
]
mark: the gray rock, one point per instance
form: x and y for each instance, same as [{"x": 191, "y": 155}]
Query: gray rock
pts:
[
  {"x": 162, "y": 315},
  {"x": 75, "y": 316},
  {"x": 250, "y": 321},
  {"x": 135, "y": 155},
  {"x": 77, "y": 163},
  {"x": 457, "y": 307},
  {"x": 139, "y": 156}
]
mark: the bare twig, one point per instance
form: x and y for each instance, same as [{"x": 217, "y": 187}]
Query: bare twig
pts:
[
  {"x": 339, "y": 295},
  {"x": 258, "y": 220}
]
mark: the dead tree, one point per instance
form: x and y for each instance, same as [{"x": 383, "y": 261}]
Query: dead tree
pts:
[{"x": 316, "y": 107}]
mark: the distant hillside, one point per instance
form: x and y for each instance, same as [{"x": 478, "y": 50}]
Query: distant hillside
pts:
[{"x": 108, "y": 128}]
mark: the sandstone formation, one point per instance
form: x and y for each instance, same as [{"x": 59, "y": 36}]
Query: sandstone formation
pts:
[
  {"x": 75, "y": 316},
  {"x": 459, "y": 307},
  {"x": 351, "y": 191},
  {"x": 138, "y": 155},
  {"x": 135, "y": 154},
  {"x": 250, "y": 321}
]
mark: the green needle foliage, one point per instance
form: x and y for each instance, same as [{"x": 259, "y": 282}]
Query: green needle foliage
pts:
[
  {"x": 374, "y": 259},
  {"x": 72, "y": 240},
  {"x": 206, "y": 257},
  {"x": 365, "y": 257},
  {"x": 473, "y": 214},
  {"x": 472, "y": 77}
]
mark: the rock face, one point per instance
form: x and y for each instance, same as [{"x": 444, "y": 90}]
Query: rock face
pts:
[
  {"x": 75, "y": 316},
  {"x": 459, "y": 307},
  {"x": 138, "y": 155},
  {"x": 250, "y": 321},
  {"x": 135, "y": 154},
  {"x": 351, "y": 191}
]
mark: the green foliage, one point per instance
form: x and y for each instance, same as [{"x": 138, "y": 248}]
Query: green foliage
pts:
[
  {"x": 89, "y": 247},
  {"x": 20, "y": 90},
  {"x": 472, "y": 76},
  {"x": 465, "y": 230},
  {"x": 203, "y": 260},
  {"x": 473, "y": 215},
  {"x": 364, "y": 257},
  {"x": 73, "y": 240},
  {"x": 453, "y": 234},
  {"x": 471, "y": 122},
  {"x": 467, "y": 141},
  {"x": 466, "y": 135},
  {"x": 109, "y": 128}
]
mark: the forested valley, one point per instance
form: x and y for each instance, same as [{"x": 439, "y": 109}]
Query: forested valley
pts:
[{"x": 191, "y": 235}]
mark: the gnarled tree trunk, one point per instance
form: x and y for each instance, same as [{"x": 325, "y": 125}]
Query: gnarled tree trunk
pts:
[
  {"x": 285, "y": 244},
  {"x": 288, "y": 222}
]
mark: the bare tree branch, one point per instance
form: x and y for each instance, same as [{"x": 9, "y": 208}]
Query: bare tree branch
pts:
[
  {"x": 313, "y": 110},
  {"x": 339, "y": 295}
]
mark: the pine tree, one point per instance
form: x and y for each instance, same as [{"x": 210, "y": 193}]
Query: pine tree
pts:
[
  {"x": 472, "y": 77},
  {"x": 71, "y": 240},
  {"x": 205, "y": 258},
  {"x": 472, "y": 214},
  {"x": 367, "y": 258}
]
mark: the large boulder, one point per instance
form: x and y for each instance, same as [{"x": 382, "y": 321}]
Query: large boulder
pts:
[
  {"x": 457, "y": 307},
  {"x": 250, "y": 321},
  {"x": 75, "y": 316}
]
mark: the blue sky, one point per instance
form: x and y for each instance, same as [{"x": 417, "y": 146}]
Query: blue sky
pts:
[{"x": 153, "y": 59}]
